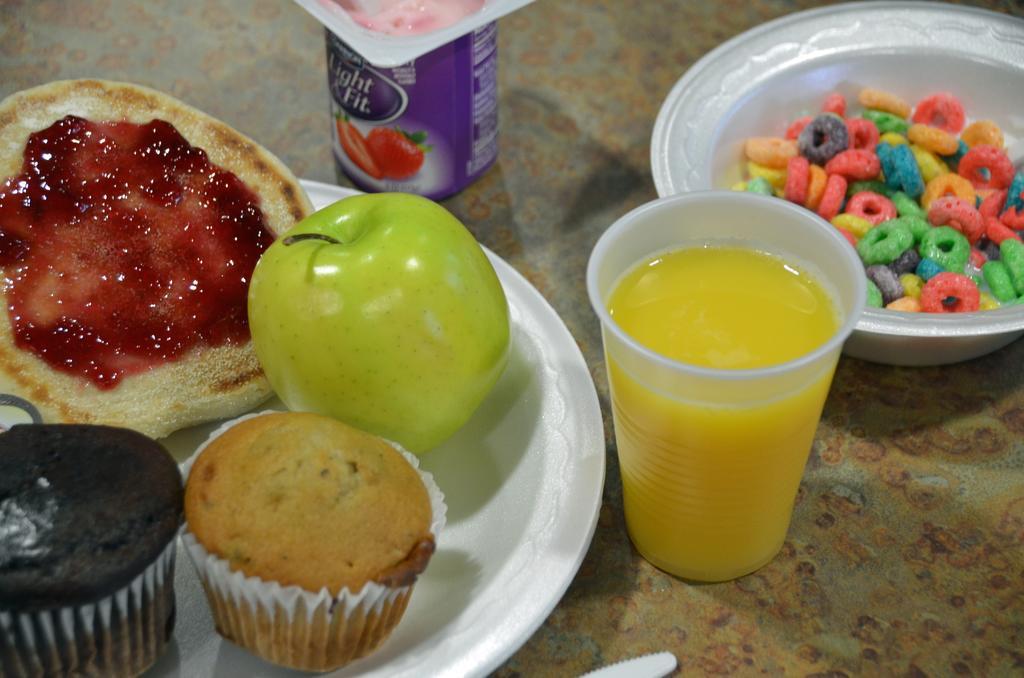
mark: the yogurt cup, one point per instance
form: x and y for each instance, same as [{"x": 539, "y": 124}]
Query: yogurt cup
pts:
[{"x": 413, "y": 113}]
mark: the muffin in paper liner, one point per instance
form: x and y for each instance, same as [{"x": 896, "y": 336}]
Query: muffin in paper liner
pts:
[
  {"x": 121, "y": 634},
  {"x": 292, "y": 626}
]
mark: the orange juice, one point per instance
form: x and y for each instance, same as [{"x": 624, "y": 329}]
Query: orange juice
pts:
[{"x": 709, "y": 485}]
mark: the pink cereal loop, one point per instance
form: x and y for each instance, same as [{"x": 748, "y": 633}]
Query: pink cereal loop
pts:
[
  {"x": 883, "y": 101},
  {"x": 986, "y": 167},
  {"x": 997, "y": 231},
  {"x": 871, "y": 206},
  {"x": 835, "y": 103},
  {"x": 798, "y": 176},
  {"x": 942, "y": 110},
  {"x": 1013, "y": 218},
  {"x": 863, "y": 134},
  {"x": 854, "y": 163},
  {"x": 832, "y": 199},
  {"x": 770, "y": 151},
  {"x": 797, "y": 126},
  {"x": 992, "y": 205},
  {"x": 959, "y": 214}
]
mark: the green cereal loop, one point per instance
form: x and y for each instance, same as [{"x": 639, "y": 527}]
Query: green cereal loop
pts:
[
  {"x": 906, "y": 206},
  {"x": 886, "y": 122},
  {"x": 760, "y": 185},
  {"x": 918, "y": 226},
  {"x": 874, "y": 294},
  {"x": 998, "y": 278},
  {"x": 884, "y": 243},
  {"x": 948, "y": 247},
  {"x": 879, "y": 187},
  {"x": 1011, "y": 253}
]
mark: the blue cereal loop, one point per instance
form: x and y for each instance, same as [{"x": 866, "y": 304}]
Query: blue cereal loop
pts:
[
  {"x": 907, "y": 171},
  {"x": 928, "y": 268},
  {"x": 884, "y": 153},
  {"x": 954, "y": 160},
  {"x": 1013, "y": 194}
]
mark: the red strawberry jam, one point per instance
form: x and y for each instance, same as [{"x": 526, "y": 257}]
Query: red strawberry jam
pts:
[{"x": 123, "y": 247}]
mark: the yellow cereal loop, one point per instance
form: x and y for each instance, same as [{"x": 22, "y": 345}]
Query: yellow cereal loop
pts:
[
  {"x": 986, "y": 302},
  {"x": 912, "y": 285},
  {"x": 775, "y": 177},
  {"x": 983, "y": 132},
  {"x": 893, "y": 139},
  {"x": 905, "y": 304},
  {"x": 852, "y": 223},
  {"x": 739, "y": 186},
  {"x": 933, "y": 139},
  {"x": 883, "y": 101},
  {"x": 930, "y": 164},
  {"x": 772, "y": 152},
  {"x": 947, "y": 184},
  {"x": 815, "y": 187}
]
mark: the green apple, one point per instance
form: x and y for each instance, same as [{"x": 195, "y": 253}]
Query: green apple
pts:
[{"x": 383, "y": 311}]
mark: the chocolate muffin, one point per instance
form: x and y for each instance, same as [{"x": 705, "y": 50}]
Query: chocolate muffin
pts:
[{"x": 88, "y": 517}]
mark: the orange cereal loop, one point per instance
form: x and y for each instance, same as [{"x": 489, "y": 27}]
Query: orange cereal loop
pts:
[
  {"x": 948, "y": 185},
  {"x": 883, "y": 101},
  {"x": 905, "y": 304},
  {"x": 933, "y": 139},
  {"x": 815, "y": 187},
  {"x": 982, "y": 132},
  {"x": 770, "y": 151}
]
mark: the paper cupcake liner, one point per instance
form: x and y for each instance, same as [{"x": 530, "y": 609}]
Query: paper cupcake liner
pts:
[
  {"x": 288, "y": 625},
  {"x": 122, "y": 634}
]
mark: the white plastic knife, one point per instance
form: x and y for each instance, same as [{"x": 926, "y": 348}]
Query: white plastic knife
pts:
[{"x": 648, "y": 666}]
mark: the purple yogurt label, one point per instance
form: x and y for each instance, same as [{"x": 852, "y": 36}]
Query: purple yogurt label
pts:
[{"x": 428, "y": 127}]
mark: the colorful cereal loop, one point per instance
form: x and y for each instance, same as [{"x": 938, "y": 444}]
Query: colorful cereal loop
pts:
[
  {"x": 997, "y": 231},
  {"x": 816, "y": 187},
  {"x": 1011, "y": 253},
  {"x": 905, "y": 304},
  {"x": 834, "y": 103},
  {"x": 858, "y": 226},
  {"x": 912, "y": 285},
  {"x": 798, "y": 178},
  {"x": 933, "y": 139},
  {"x": 950, "y": 293},
  {"x": 883, "y": 101},
  {"x": 983, "y": 132},
  {"x": 986, "y": 167},
  {"x": 908, "y": 174},
  {"x": 947, "y": 184},
  {"x": 797, "y": 126},
  {"x": 832, "y": 198},
  {"x": 928, "y": 163},
  {"x": 871, "y": 206},
  {"x": 942, "y": 110},
  {"x": 775, "y": 177},
  {"x": 884, "y": 243},
  {"x": 892, "y": 138},
  {"x": 946, "y": 246},
  {"x": 957, "y": 213},
  {"x": 770, "y": 151},
  {"x": 856, "y": 164},
  {"x": 863, "y": 133},
  {"x": 997, "y": 276}
]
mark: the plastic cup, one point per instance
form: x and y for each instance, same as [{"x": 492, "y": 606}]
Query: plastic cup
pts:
[{"x": 711, "y": 459}]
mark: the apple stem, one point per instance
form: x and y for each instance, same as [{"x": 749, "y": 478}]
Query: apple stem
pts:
[{"x": 292, "y": 239}]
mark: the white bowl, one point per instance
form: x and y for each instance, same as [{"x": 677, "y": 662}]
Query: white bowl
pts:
[{"x": 758, "y": 82}]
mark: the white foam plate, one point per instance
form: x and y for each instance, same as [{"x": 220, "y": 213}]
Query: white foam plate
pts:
[
  {"x": 523, "y": 482},
  {"x": 758, "y": 82}
]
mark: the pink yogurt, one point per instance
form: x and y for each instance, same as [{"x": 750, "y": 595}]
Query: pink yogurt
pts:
[{"x": 415, "y": 17}]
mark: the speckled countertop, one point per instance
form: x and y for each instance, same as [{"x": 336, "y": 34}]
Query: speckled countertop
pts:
[{"x": 906, "y": 552}]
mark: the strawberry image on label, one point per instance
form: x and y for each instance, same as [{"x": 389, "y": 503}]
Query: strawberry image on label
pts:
[
  {"x": 354, "y": 145},
  {"x": 397, "y": 153}
]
